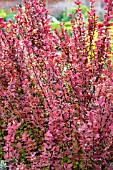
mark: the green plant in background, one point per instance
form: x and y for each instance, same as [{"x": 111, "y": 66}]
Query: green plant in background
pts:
[
  {"x": 57, "y": 26},
  {"x": 6, "y": 15},
  {"x": 47, "y": 1},
  {"x": 64, "y": 17},
  {"x": 2, "y": 13},
  {"x": 10, "y": 15},
  {"x": 3, "y": 165},
  {"x": 85, "y": 9},
  {"x": 101, "y": 16}
]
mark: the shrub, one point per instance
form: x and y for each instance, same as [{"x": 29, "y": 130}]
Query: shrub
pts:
[
  {"x": 101, "y": 16},
  {"x": 7, "y": 15},
  {"x": 64, "y": 17},
  {"x": 2, "y": 13},
  {"x": 57, "y": 26},
  {"x": 2, "y": 165},
  {"x": 10, "y": 16},
  {"x": 56, "y": 109}
]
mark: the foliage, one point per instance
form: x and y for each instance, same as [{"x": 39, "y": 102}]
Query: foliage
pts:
[
  {"x": 56, "y": 108},
  {"x": 55, "y": 25},
  {"x": 6, "y": 15},
  {"x": 67, "y": 26},
  {"x": 3, "y": 165},
  {"x": 65, "y": 17},
  {"x": 2, "y": 13},
  {"x": 101, "y": 17}
]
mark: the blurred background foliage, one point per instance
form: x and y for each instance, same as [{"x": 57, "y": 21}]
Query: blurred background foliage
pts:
[{"x": 6, "y": 15}]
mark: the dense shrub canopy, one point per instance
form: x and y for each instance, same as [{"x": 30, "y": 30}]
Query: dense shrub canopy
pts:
[{"x": 56, "y": 109}]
